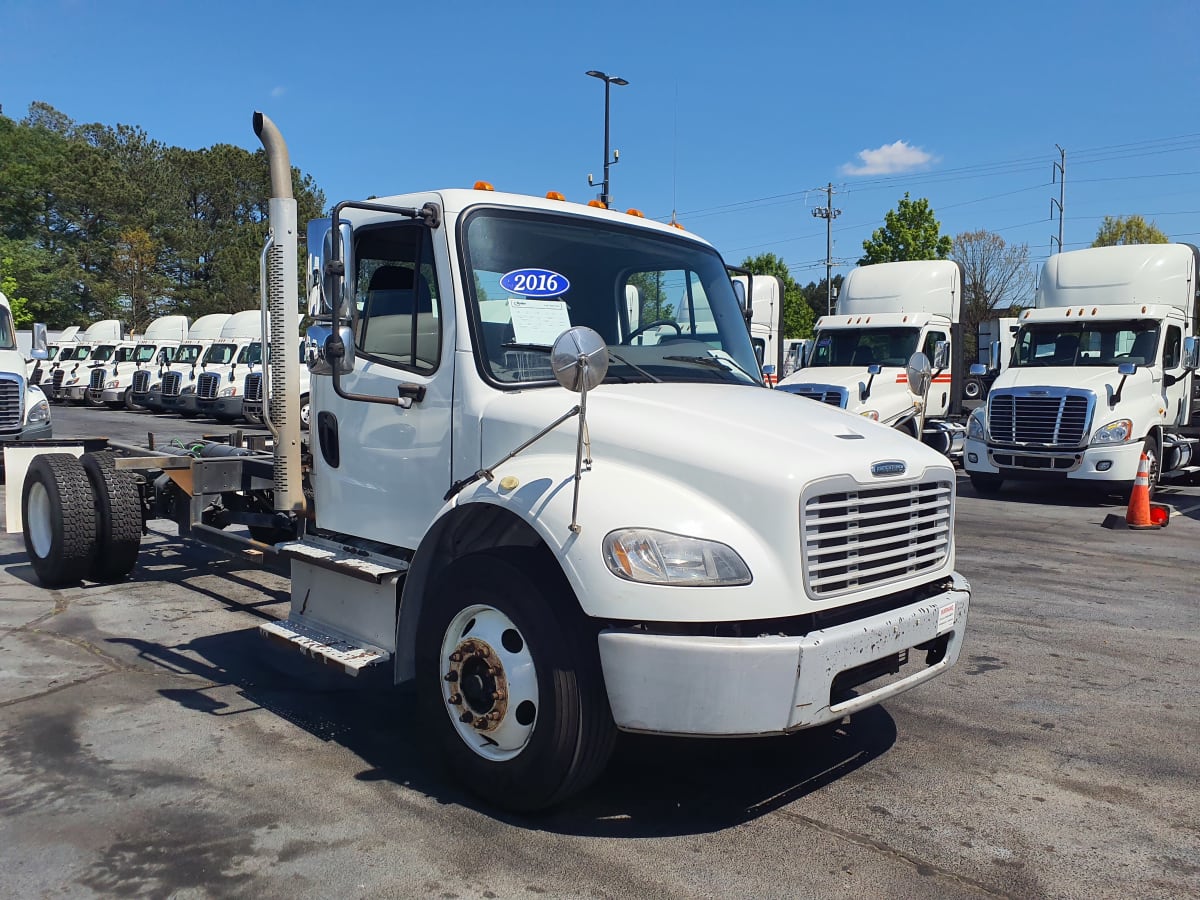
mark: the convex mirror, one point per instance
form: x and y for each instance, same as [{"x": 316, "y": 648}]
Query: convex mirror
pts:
[
  {"x": 579, "y": 359},
  {"x": 919, "y": 372}
]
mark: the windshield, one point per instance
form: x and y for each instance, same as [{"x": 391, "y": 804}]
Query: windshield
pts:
[
  {"x": 864, "y": 346},
  {"x": 51, "y": 352},
  {"x": 102, "y": 353},
  {"x": 123, "y": 354},
  {"x": 1087, "y": 344},
  {"x": 251, "y": 354},
  {"x": 220, "y": 354},
  {"x": 187, "y": 354},
  {"x": 663, "y": 305},
  {"x": 144, "y": 352},
  {"x": 8, "y": 336},
  {"x": 76, "y": 353}
]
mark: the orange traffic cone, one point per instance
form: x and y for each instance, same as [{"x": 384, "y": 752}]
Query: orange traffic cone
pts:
[{"x": 1139, "y": 513}]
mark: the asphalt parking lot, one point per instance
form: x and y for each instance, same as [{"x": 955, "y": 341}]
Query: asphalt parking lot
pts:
[{"x": 152, "y": 745}]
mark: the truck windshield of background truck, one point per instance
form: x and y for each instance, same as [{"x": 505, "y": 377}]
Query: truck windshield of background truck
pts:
[
  {"x": 864, "y": 346},
  {"x": 186, "y": 354},
  {"x": 220, "y": 354},
  {"x": 251, "y": 354},
  {"x": 8, "y": 336},
  {"x": 664, "y": 306},
  {"x": 1087, "y": 344},
  {"x": 102, "y": 353},
  {"x": 144, "y": 353},
  {"x": 77, "y": 353}
]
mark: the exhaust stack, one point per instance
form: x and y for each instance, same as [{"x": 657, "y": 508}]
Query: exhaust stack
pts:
[{"x": 281, "y": 308}]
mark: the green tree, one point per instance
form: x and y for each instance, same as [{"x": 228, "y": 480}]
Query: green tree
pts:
[
  {"x": 17, "y": 303},
  {"x": 1128, "y": 230},
  {"x": 797, "y": 316},
  {"x": 653, "y": 295},
  {"x": 910, "y": 231},
  {"x": 816, "y": 295}
]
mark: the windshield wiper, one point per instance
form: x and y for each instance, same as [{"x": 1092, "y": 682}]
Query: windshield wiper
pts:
[
  {"x": 623, "y": 361},
  {"x": 715, "y": 362}
]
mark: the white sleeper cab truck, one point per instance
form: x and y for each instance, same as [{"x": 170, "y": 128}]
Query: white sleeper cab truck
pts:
[
  {"x": 554, "y": 531},
  {"x": 888, "y": 313},
  {"x": 253, "y": 407},
  {"x": 24, "y": 409},
  {"x": 217, "y": 366},
  {"x": 37, "y": 369},
  {"x": 184, "y": 360},
  {"x": 221, "y": 394},
  {"x": 1103, "y": 370},
  {"x": 114, "y": 384},
  {"x": 70, "y": 380},
  {"x": 764, "y": 300}
]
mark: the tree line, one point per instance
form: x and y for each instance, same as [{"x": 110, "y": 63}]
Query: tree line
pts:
[
  {"x": 997, "y": 276},
  {"x": 102, "y": 222}
]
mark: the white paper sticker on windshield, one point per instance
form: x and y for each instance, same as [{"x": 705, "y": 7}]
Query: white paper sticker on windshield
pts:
[{"x": 538, "y": 322}]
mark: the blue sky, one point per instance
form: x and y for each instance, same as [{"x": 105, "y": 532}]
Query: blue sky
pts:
[{"x": 733, "y": 115}]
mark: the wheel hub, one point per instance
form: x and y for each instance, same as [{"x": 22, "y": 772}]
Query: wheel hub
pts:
[{"x": 478, "y": 673}]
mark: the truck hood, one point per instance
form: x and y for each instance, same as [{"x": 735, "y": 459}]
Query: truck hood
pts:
[
  {"x": 1085, "y": 378},
  {"x": 722, "y": 437},
  {"x": 889, "y": 397}
]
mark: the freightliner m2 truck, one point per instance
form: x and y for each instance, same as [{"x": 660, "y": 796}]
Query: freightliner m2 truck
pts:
[
  {"x": 555, "y": 531},
  {"x": 1102, "y": 370},
  {"x": 886, "y": 314}
]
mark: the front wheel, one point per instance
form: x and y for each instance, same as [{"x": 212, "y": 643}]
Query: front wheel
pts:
[
  {"x": 986, "y": 484},
  {"x": 509, "y": 681},
  {"x": 305, "y": 412}
]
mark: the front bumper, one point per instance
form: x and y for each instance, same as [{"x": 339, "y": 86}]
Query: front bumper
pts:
[
  {"x": 181, "y": 402},
  {"x": 38, "y": 432},
  {"x": 1117, "y": 462},
  {"x": 223, "y": 407},
  {"x": 727, "y": 686},
  {"x": 150, "y": 400},
  {"x": 74, "y": 392}
]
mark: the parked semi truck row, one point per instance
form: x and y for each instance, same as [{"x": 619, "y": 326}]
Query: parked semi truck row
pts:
[{"x": 555, "y": 530}]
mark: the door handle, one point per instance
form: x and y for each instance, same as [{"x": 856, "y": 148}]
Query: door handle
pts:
[{"x": 410, "y": 394}]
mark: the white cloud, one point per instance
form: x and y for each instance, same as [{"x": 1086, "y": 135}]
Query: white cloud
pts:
[
  {"x": 278, "y": 91},
  {"x": 890, "y": 159}
]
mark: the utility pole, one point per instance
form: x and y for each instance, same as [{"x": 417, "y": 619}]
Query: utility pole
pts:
[
  {"x": 609, "y": 80},
  {"x": 1059, "y": 172},
  {"x": 828, "y": 213}
]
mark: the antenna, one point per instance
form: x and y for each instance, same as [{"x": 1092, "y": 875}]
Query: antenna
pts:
[{"x": 675, "y": 153}]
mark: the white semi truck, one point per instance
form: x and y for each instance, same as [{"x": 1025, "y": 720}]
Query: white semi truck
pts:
[
  {"x": 147, "y": 383},
  {"x": 610, "y": 539},
  {"x": 218, "y": 375},
  {"x": 764, "y": 300},
  {"x": 69, "y": 379},
  {"x": 886, "y": 314},
  {"x": 24, "y": 409},
  {"x": 112, "y": 385},
  {"x": 1102, "y": 370}
]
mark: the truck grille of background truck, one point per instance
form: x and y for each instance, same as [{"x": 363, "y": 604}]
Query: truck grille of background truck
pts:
[
  {"x": 206, "y": 386},
  {"x": 171, "y": 383},
  {"x": 141, "y": 381},
  {"x": 253, "y": 386},
  {"x": 866, "y": 537},
  {"x": 822, "y": 395},
  {"x": 10, "y": 403},
  {"x": 96, "y": 381},
  {"x": 1050, "y": 421}
]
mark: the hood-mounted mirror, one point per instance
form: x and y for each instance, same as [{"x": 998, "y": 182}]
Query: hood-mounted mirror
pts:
[
  {"x": 579, "y": 359},
  {"x": 919, "y": 372}
]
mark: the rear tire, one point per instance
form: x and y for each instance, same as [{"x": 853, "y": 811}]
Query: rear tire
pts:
[
  {"x": 985, "y": 484},
  {"x": 59, "y": 519},
  {"x": 973, "y": 388},
  {"x": 518, "y": 632},
  {"x": 118, "y": 517}
]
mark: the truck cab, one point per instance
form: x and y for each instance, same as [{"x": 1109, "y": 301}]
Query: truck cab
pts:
[
  {"x": 115, "y": 387},
  {"x": 95, "y": 344},
  {"x": 254, "y": 403},
  {"x": 24, "y": 409},
  {"x": 218, "y": 364},
  {"x": 1101, "y": 372},
  {"x": 230, "y": 395},
  {"x": 887, "y": 313},
  {"x": 182, "y": 360}
]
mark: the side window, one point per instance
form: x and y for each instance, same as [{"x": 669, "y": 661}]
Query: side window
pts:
[
  {"x": 396, "y": 294},
  {"x": 1173, "y": 349},
  {"x": 931, "y": 341}
]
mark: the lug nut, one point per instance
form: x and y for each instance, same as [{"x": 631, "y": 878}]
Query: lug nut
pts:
[
  {"x": 497, "y": 695},
  {"x": 451, "y": 676},
  {"x": 481, "y": 722},
  {"x": 455, "y": 699},
  {"x": 468, "y": 648},
  {"x": 493, "y": 671},
  {"x": 494, "y": 716},
  {"x": 456, "y": 656},
  {"x": 465, "y": 717},
  {"x": 484, "y": 652}
]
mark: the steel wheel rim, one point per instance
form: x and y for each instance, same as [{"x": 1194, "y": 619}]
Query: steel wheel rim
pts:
[
  {"x": 484, "y": 654},
  {"x": 37, "y": 518}
]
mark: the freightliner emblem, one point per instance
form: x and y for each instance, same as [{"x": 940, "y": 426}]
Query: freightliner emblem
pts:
[{"x": 891, "y": 467}]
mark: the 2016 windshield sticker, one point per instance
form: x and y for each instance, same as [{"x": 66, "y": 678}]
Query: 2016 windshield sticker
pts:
[{"x": 535, "y": 282}]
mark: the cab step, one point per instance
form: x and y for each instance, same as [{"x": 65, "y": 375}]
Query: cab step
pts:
[
  {"x": 343, "y": 559},
  {"x": 324, "y": 647}
]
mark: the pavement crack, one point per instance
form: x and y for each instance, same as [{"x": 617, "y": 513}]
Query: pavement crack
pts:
[
  {"x": 54, "y": 690},
  {"x": 920, "y": 865}
]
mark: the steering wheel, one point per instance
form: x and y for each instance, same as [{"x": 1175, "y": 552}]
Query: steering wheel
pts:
[{"x": 654, "y": 324}]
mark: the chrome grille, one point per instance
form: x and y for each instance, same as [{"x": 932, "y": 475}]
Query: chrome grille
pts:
[
  {"x": 10, "y": 403},
  {"x": 59, "y": 375},
  {"x": 141, "y": 381},
  {"x": 871, "y": 536},
  {"x": 833, "y": 398},
  {"x": 96, "y": 379},
  {"x": 207, "y": 384},
  {"x": 1046, "y": 421},
  {"x": 253, "y": 386},
  {"x": 171, "y": 383}
]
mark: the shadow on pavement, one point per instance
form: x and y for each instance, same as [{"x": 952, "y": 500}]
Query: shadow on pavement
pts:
[{"x": 653, "y": 786}]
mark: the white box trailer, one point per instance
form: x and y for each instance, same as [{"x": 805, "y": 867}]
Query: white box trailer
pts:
[
  {"x": 553, "y": 531},
  {"x": 1103, "y": 370}
]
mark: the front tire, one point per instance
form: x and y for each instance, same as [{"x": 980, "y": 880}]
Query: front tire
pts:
[
  {"x": 509, "y": 681},
  {"x": 59, "y": 519},
  {"x": 305, "y": 412}
]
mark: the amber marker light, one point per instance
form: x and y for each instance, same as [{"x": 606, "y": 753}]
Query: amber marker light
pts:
[
  {"x": 634, "y": 212},
  {"x": 597, "y": 204},
  {"x": 484, "y": 186},
  {"x": 554, "y": 195}
]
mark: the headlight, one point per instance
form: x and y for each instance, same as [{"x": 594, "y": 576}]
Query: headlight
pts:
[
  {"x": 659, "y": 557},
  {"x": 1117, "y": 432},
  {"x": 976, "y": 431},
  {"x": 109, "y": 385},
  {"x": 229, "y": 392},
  {"x": 871, "y": 414},
  {"x": 39, "y": 412}
]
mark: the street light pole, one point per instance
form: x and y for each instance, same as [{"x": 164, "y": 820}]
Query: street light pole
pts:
[{"x": 609, "y": 81}]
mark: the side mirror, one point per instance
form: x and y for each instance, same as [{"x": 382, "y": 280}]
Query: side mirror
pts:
[
  {"x": 315, "y": 357},
  {"x": 739, "y": 291},
  {"x": 919, "y": 372},
  {"x": 978, "y": 369},
  {"x": 40, "y": 344},
  {"x": 579, "y": 359},
  {"x": 1191, "y": 353},
  {"x": 941, "y": 355},
  {"x": 1127, "y": 368},
  {"x": 994, "y": 351}
]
